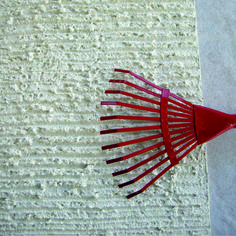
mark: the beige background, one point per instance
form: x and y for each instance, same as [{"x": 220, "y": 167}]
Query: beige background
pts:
[{"x": 56, "y": 60}]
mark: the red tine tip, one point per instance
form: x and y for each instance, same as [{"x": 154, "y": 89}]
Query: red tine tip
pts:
[
  {"x": 120, "y": 70},
  {"x": 109, "y": 131},
  {"x": 114, "y": 160},
  {"x": 120, "y": 172},
  {"x": 125, "y": 184},
  {"x": 108, "y": 103},
  {"x": 117, "y": 81},
  {"x": 112, "y": 91},
  {"x": 107, "y": 117},
  {"x": 110, "y": 146},
  {"x": 133, "y": 194}
]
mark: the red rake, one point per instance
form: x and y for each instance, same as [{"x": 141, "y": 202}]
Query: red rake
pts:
[{"x": 179, "y": 120}]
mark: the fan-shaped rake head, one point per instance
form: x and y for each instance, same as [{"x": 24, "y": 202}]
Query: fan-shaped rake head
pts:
[{"x": 183, "y": 126}]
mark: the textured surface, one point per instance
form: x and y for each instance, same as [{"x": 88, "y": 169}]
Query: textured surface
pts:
[
  {"x": 216, "y": 28},
  {"x": 56, "y": 60}
]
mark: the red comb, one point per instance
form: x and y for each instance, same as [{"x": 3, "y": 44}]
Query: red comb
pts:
[{"x": 183, "y": 126}]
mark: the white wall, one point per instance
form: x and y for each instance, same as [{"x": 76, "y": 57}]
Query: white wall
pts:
[{"x": 56, "y": 60}]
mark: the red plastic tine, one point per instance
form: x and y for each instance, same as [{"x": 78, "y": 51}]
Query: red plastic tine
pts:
[
  {"x": 130, "y": 106},
  {"x": 149, "y": 183},
  {"x": 130, "y": 118},
  {"x": 144, "y": 173},
  {"x": 133, "y": 96},
  {"x": 188, "y": 136},
  {"x": 135, "y": 86},
  {"x": 155, "y": 167},
  {"x": 188, "y": 124},
  {"x": 178, "y": 114},
  {"x": 182, "y": 130},
  {"x": 139, "y": 77},
  {"x": 181, "y": 99},
  {"x": 184, "y": 135},
  {"x": 135, "y": 153},
  {"x": 171, "y": 119},
  {"x": 109, "y": 131},
  {"x": 188, "y": 151},
  {"x": 190, "y": 112},
  {"x": 143, "y": 162},
  {"x": 139, "y": 140},
  {"x": 180, "y": 104}
]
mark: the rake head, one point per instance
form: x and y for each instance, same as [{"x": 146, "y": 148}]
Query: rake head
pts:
[{"x": 183, "y": 126}]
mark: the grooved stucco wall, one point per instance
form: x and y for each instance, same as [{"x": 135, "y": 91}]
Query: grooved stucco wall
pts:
[{"x": 56, "y": 60}]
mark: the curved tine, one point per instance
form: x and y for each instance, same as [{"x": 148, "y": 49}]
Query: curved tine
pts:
[
  {"x": 183, "y": 141},
  {"x": 135, "y": 86},
  {"x": 178, "y": 114},
  {"x": 129, "y": 117},
  {"x": 130, "y": 106},
  {"x": 149, "y": 183},
  {"x": 181, "y": 99},
  {"x": 186, "y": 145},
  {"x": 139, "y": 163},
  {"x": 144, "y": 173},
  {"x": 139, "y": 77},
  {"x": 181, "y": 109},
  {"x": 161, "y": 173},
  {"x": 181, "y": 130},
  {"x": 189, "y": 124},
  {"x": 155, "y": 86},
  {"x": 138, "y": 140},
  {"x": 180, "y": 136},
  {"x": 180, "y": 104},
  {"x": 133, "y": 96},
  {"x": 135, "y": 153},
  {"x": 188, "y": 151},
  {"x": 179, "y": 120},
  {"x": 109, "y": 131}
]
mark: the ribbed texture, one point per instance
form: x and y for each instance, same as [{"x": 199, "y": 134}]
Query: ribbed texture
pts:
[{"x": 56, "y": 60}]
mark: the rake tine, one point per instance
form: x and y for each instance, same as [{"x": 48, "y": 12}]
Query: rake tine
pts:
[
  {"x": 139, "y": 140},
  {"x": 183, "y": 141},
  {"x": 191, "y": 132},
  {"x": 133, "y": 96},
  {"x": 180, "y": 104},
  {"x": 188, "y": 136},
  {"x": 179, "y": 120},
  {"x": 139, "y": 77},
  {"x": 135, "y": 86},
  {"x": 135, "y": 153},
  {"x": 180, "y": 115},
  {"x": 144, "y": 173},
  {"x": 140, "y": 163},
  {"x": 188, "y": 151},
  {"x": 149, "y": 183},
  {"x": 130, "y": 106},
  {"x": 109, "y": 131},
  {"x": 181, "y": 99},
  {"x": 186, "y": 145},
  {"x": 181, "y": 125},
  {"x": 160, "y": 174},
  {"x": 180, "y": 109},
  {"x": 130, "y": 118},
  {"x": 181, "y": 130}
]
